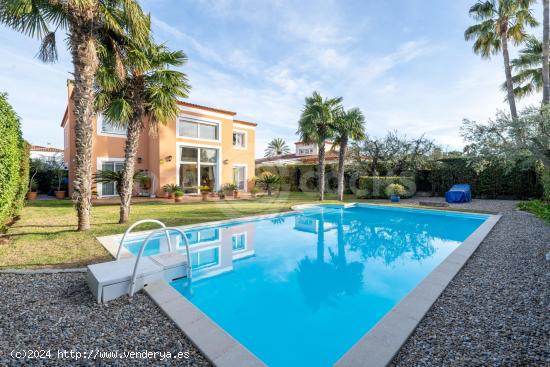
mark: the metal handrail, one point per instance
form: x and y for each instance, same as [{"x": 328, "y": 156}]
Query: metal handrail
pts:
[
  {"x": 137, "y": 224},
  {"x": 142, "y": 249}
]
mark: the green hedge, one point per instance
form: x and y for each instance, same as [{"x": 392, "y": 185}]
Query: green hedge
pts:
[
  {"x": 13, "y": 164},
  {"x": 375, "y": 186},
  {"x": 304, "y": 178},
  {"x": 497, "y": 179}
]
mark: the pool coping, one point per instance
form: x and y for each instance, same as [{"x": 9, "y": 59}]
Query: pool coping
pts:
[
  {"x": 378, "y": 346},
  {"x": 375, "y": 348},
  {"x": 218, "y": 346}
]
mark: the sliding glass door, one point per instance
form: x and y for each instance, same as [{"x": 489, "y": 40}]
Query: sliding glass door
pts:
[
  {"x": 198, "y": 167},
  {"x": 109, "y": 188}
]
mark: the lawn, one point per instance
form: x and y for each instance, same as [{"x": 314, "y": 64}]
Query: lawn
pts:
[
  {"x": 538, "y": 207},
  {"x": 45, "y": 234}
]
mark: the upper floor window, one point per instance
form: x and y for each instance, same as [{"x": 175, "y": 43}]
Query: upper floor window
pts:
[
  {"x": 199, "y": 130},
  {"x": 109, "y": 128},
  {"x": 305, "y": 151},
  {"x": 239, "y": 139}
]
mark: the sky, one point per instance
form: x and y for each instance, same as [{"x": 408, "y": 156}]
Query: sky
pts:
[{"x": 404, "y": 63}]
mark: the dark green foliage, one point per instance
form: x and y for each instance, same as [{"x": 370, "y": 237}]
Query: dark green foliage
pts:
[
  {"x": 538, "y": 207},
  {"x": 495, "y": 179},
  {"x": 375, "y": 186},
  {"x": 13, "y": 152},
  {"x": 23, "y": 186},
  {"x": 304, "y": 178}
]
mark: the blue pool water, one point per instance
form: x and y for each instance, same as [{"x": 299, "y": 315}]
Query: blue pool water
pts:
[{"x": 301, "y": 289}]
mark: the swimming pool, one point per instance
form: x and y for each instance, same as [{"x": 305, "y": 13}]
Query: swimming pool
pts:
[{"x": 302, "y": 288}]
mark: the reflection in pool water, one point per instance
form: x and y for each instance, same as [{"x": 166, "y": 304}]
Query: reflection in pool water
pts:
[{"x": 301, "y": 289}]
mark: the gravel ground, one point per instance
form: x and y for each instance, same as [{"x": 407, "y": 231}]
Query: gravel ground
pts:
[
  {"x": 57, "y": 312},
  {"x": 495, "y": 312}
]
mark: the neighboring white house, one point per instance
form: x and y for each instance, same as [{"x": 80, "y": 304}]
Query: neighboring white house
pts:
[
  {"x": 46, "y": 154},
  {"x": 305, "y": 153}
]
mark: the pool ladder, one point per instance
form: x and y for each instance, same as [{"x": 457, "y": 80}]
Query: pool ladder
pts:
[{"x": 166, "y": 231}]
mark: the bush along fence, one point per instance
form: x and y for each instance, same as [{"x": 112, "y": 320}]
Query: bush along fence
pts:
[
  {"x": 374, "y": 187},
  {"x": 14, "y": 164},
  {"x": 304, "y": 177},
  {"x": 492, "y": 180}
]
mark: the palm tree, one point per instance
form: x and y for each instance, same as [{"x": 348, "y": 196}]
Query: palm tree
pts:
[
  {"x": 348, "y": 125},
  {"x": 316, "y": 126},
  {"x": 528, "y": 69},
  {"x": 116, "y": 177},
  {"x": 546, "y": 52},
  {"x": 86, "y": 21},
  {"x": 500, "y": 21},
  {"x": 276, "y": 147},
  {"x": 146, "y": 91}
]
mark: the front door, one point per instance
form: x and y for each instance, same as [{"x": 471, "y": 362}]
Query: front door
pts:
[{"x": 197, "y": 167}]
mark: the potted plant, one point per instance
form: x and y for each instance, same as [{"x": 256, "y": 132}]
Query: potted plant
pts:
[
  {"x": 254, "y": 191},
  {"x": 35, "y": 167},
  {"x": 395, "y": 191},
  {"x": 169, "y": 189},
  {"x": 221, "y": 194},
  {"x": 178, "y": 195},
  {"x": 33, "y": 185},
  {"x": 58, "y": 169},
  {"x": 232, "y": 188},
  {"x": 204, "y": 190},
  {"x": 268, "y": 181}
]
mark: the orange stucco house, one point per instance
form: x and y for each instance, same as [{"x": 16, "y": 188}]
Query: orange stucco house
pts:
[{"x": 203, "y": 146}]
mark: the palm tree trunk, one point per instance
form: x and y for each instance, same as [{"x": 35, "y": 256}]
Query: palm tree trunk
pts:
[
  {"x": 85, "y": 63},
  {"x": 508, "y": 72},
  {"x": 545, "y": 53},
  {"x": 130, "y": 154},
  {"x": 135, "y": 125},
  {"x": 322, "y": 170},
  {"x": 341, "y": 161}
]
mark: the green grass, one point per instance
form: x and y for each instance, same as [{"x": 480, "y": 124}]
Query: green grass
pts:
[
  {"x": 45, "y": 234},
  {"x": 538, "y": 207}
]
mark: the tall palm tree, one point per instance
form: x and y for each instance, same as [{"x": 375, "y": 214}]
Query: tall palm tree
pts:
[
  {"x": 546, "y": 52},
  {"x": 348, "y": 125},
  {"x": 86, "y": 21},
  {"x": 276, "y": 147},
  {"x": 499, "y": 22},
  {"x": 316, "y": 126},
  {"x": 528, "y": 76},
  {"x": 146, "y": 91}
]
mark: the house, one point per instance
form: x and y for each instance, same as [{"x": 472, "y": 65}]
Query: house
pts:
[
  {"x": 202, "y": 146},
  {"x": 305, "y": 153},
  {"x": 45, "y": 154}
]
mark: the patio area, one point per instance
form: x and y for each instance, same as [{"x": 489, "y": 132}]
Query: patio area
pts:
[{"x": 494, "y": 312}]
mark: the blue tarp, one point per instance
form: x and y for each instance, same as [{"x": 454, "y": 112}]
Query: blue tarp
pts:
[{"x": 459, "y": 194}]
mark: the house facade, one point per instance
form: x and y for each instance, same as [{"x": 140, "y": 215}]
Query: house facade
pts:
[
  {"x": 202, "y": 146},
  {"x": 45, "y": 154}
]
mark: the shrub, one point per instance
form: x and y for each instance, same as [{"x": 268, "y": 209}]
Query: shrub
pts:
[
  {"x": 23, "y": 186},
  {"x": 395, "y": 190},
  {"x": 375, "y": 186},
  {"x": 268, "y": 181},
  {"x": 170, "y": 188},
  {"x": 13, "y": 153}
]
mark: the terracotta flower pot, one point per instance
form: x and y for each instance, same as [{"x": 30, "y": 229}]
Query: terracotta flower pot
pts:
[
  {"x": 178, "y": 199},
  {"x": 204, "y": 195},
  {"x": 235, "y": 194},
  {"x": 60, "y": 194},
  {"x": 32, "y": 195},
  {"x": 170, "y": 195}
]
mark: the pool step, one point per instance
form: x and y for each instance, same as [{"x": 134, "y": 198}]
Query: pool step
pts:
[{"x": 112, "y": 279}]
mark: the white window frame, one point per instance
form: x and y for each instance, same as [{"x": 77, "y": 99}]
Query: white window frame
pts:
[
  {"x": 99, "y": 166},
  {"x": 100, "y": 132},
  {"x": 245, "y": 139},
  {"x": 198, "y": 121},
  {"x": 217, "y": 165},
  {"x": 206, "y": 248},
  {"x": 238, "y": 165},
  {"x": 245, "y": 242}
]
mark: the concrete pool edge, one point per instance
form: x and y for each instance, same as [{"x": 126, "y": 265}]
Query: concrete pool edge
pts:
[
  {"x": 216, "y": 344},
  {"x": 379, "y": 346}
]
